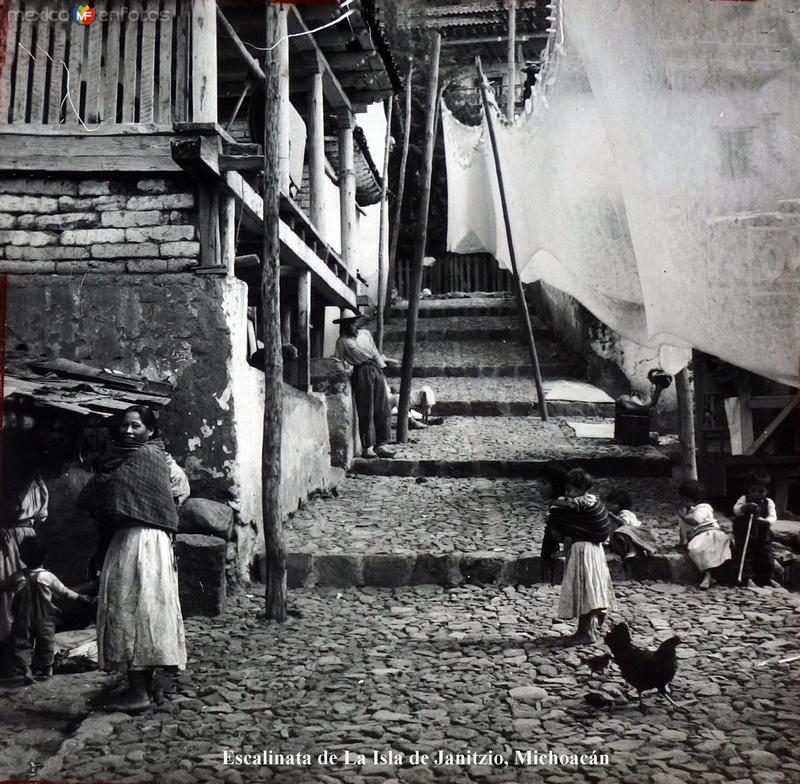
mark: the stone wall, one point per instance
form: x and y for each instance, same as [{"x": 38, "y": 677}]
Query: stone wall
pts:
[
  {"x": 100, "y": 272},
  {"x": 124, "y": 224}
]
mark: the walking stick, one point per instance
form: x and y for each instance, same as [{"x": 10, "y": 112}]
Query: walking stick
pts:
[{"x": 744, "y": 549}]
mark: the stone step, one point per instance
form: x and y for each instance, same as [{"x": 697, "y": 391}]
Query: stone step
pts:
[
  {"x": 467, "y": 306},
  {"x": 605, "y": 466},
  {"x": 452, "y": 531},
  {"x": 484, "y": 359},
  {"x": 469, "y": 397},
  {"x": 481, "y": 568},
  {"x": 465, "y": 328}
]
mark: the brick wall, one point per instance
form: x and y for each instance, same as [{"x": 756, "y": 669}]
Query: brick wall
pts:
[{"x": 113, "y": 225}]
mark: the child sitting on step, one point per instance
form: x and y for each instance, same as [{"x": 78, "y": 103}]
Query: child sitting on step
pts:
[
  {"x": 754, "y": 513},
  {"x": 707, "y": 545}
]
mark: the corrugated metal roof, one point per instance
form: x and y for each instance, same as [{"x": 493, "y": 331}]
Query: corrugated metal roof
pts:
[{"x": 79, "y": 389}]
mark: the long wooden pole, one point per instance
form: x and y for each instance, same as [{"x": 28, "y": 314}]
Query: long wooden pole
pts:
[
  {"x": 401, "y": 185},
  {"x": 271, "y": 328},
  {"x": 524, "y": 315},
  {"x": 683, "y": 393},
  {"x": 382, "y": 280},
  {"x": 422, "y": 235},
  {"x": 511, "y": 93}
]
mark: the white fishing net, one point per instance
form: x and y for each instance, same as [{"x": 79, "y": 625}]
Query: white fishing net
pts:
[{"x": 656, "y": 175}]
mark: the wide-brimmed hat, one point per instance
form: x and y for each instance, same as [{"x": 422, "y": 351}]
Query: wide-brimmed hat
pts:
[{"x": 348, "y": 314}]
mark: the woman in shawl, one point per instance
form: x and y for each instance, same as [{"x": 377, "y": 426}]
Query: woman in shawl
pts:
[
  {"x": 586, "y": 590},
  {"x": 139, "y": 621}
]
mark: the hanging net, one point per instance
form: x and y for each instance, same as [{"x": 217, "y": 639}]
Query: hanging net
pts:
[{"x": 655, "y": 175}]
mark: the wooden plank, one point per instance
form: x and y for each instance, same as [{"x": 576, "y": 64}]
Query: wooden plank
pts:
[
  {"x": 8, "y": 54},
  {"x": 24, "y": 64},
  {"x": 28, "y": 152},
  {"x": 147, "y": 63},
  {"x": 108, "y": 95},
  {"x": 770, "y": 401},
  {"x": 72, "y": 105},
  {"x": 204, "y": 61},
  {"x": 180, "y": 107},
  {"x": 93, "y": 80},
  {"x": 227, "y": 230},
  {"x": 40, "y": 67},
  {"x": 773, "y": 426},
  {"x": 130, "y": 62},
  {"x": 208, "y": 224},
  {"x": 57, "y": 74},
  {"x": 165, "y": 61}
]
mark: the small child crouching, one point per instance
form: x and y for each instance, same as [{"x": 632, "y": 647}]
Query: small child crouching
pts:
[
  {"x": 30, "y": 648},
  {"x": 754, "y": 513},
  {"x": 708, "y": 546}
]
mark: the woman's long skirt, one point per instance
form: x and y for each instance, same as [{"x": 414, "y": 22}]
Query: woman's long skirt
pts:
[
  {"x": 587, "y": 582},
  {"x": 139, "y": 621},
  {"x": 372, "y": 405}
]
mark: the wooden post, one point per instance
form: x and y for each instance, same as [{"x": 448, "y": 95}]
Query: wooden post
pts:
[
  {"x": 303, "y": 330},
  {"x": 283, "y": 123},
  {"x": 512, "y": 64},
  {"x": 683, "y": 392},
  {"x": 271, "y": 335},
  {"x": 522, "y": 305},
  {"x": 419, "y": 250},
  {"x": 204, "y": 61},
  {"x": 382, "y": 280},
  {"x": 208, "y": 228},
  {"x": 227, "y": 230},
  {"x": 401, "y": 184},
  {"x": 316, "y": 149},
  {"x": 347, "y": 190}
]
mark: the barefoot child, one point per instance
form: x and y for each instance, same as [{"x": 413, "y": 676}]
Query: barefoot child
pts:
[
  {"x": 757, "y": 556},
  {"x": 708, "y": 546},
  {"x": 586, "y": 590},
  {"x": 33, "y": 629}
]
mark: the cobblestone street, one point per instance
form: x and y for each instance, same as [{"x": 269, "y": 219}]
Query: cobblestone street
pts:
[{"x": 462, "y": 670}]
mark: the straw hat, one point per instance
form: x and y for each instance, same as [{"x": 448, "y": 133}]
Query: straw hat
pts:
[{"x": 348, "y": 314}]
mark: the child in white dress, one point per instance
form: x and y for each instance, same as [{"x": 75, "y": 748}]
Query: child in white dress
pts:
[{"x": 708, "y": 546}]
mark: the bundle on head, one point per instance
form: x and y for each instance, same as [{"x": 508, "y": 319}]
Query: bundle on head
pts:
[{"x": 644, "y": 670}]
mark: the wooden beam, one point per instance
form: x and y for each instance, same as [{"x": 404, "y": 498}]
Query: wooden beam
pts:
[
  {"x": 683, "y": 391},
  {"x": 241, "y": 163},
  {"x": 407, "y": 370},
  {"x": 492, "y": 39},
  {"x": 512, "y": 59},
  {"x": 208, "y": 225},
  {"x": 334, "y": 93},
  {"x": 271, "y": 471},
  {"x": 303, "y": 330},
  {"x": 250, "y": 62},
  {"x": 295, "y": 252},
  {"x": 204, "y": 61},
  {"x": 347, "y": 190},
  {"x": 316, "y": 149},
  {"x": 227, "y": 228},
  {"x": 384, "y": 219},
  {"x": 522, "y": 305},
  {"x": 197, "y": 155},
  {"x": 774, "y": 425}
]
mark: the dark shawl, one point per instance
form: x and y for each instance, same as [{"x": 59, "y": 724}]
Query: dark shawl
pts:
[
  {"x": 132, "y": 487},
  {"x": 580, "y": 525}
]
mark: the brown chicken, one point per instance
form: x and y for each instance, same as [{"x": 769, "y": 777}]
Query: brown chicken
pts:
[{"x": 644, "y": 670}]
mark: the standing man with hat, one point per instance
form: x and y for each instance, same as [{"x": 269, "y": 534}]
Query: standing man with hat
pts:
[{"x": 356, "y": 347}]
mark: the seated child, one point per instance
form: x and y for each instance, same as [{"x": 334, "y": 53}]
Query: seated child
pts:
[
  {"x": 708, "y": 546},
  {"x": 628, "y": 537},
  {"x": 757, "y": 555},
  {"x": 33, "y": 627}
]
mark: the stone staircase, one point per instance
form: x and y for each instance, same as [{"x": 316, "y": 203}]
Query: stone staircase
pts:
[{"x": 457, "y": 504}]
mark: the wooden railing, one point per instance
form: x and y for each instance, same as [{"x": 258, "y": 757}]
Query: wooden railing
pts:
[
  {"x": 456, "y": 272},
  {"x": 132, "y": 64}
]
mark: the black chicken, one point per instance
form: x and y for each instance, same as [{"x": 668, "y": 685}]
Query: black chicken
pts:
[{"x": 642, "y": 669}]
